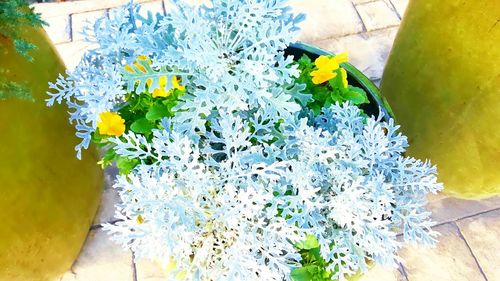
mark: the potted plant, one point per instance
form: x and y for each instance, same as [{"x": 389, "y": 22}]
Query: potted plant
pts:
[
  {"x": 238, "y": 161},
  {"x": 48, "y": 198}
]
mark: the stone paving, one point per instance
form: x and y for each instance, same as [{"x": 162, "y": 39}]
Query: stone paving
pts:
[{"x": 469, "y": 247}]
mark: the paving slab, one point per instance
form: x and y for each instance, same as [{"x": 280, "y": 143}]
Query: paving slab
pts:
[
  {"x": 58, "y": 28},
  {"x": 148, "y": 270},
  {"x": 361, "y": 1},
  {"x": 327, "y": 19},
  {"x": 101, "y": 260},
  {"x": 377, "y": 15},
  {"x": 153, "y": 7},
  {"x": 450, "y": 209},
  {"x": 81, "y": 6},
  {"x": 379, "y": 273},
  {"x": 450, "y": 260},
  {"x": 109, "y": 198},
  {"x": 84, "y": 20},
  {"x": 72, "y": 52},
  {"x": 482, "y": 234},
  {"x": 106, "y": 211},
  {"x": 400, "y": 6}
]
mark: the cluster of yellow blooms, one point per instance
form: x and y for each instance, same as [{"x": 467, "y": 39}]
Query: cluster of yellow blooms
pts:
[
  {"x": 327, "y": 69},
  {"x": 161, "y": 92},
  {"x": 112, "y": 124}
]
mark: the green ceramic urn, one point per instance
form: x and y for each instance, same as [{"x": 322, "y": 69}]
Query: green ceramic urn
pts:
[
  {"x": 443, "y": 83},
  {"x": 48, "y": 198}
]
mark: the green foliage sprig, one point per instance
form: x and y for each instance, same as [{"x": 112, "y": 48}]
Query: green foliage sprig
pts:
[
  {"x": 10, "y": 89},
  {"x": 14, "y": 15}
]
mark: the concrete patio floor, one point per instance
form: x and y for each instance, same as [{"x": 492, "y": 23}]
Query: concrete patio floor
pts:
[{"x": 469, "y": 247}]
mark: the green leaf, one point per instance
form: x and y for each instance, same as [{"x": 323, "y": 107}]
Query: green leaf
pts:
[
  {"x": 305, "y": 62},
  {"x": 142, "y": 126},
  {"x": 315, "y": 254},
  {"x": 108, "y": 158},
  {"x": 356, "y": 95},
  {"x": 305, "y": 273},
  {"x": 126, "y": 165},
  {"x": 157, "y": 112},
  {"x": 315, "y": 108},
  {"x": 310, "y": 243}
]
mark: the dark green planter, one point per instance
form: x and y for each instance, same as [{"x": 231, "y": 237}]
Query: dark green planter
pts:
[{"x": 355, "y": 77}]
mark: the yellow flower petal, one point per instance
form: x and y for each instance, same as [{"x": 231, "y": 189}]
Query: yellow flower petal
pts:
[
  {"x": 320, "y": 77},
  {"x": 111, "y": 124},
  {"x": 341, "y": 58},
  {"x": 343, "y": 75},
  {"x": 176, "y": 84},
  {"x": 181, "y": 275},
  {"x": 129, "y": 68},
  {"x": 325, "y": 63},
  {"x": 161, "y": 92},
  {"x": 141, "y": 68},
  {"x": 163, "y": 81},
  {"x": 171, "y": 265},
  {"x": 322, "y": 61},
  {"x": 138, "y": 65},
  {"x": 140, "y": 219}
]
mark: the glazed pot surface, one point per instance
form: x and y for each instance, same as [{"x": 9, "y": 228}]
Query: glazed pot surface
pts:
[
  {"x": 49, "y": 198},
  {"x": 443, "y": 83}
]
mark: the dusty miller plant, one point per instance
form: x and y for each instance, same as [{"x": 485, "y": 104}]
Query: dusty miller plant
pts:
[{"x": 227, "y": 187}]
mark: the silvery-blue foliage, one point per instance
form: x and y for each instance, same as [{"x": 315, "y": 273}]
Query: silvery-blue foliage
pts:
[
  {"x": 342, "y": 179},
  {"x": 230, "y": 55},
  {"x": 364, "y": 185},
  {"x": 211, "y": 218},
  {"x": 227, "y": 185}
]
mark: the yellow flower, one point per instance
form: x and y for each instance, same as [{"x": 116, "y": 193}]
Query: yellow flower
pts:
[
  {"x": 176, "y": 85},
  {"x": 111, "y": 124},
  {"x": 341, "y": 58},
  {"x": 321, "y": 76},
  {"x": 327, "y": 67},
  {"x": 161, "y": 92},
  {"x": 171, "y": 266},
  {"x": 343, "y": 75},
  {"x": 138, "y": 65},
  {"x": 140, "y": 219}
]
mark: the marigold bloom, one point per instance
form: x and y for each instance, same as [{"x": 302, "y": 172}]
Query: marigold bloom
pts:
[
  {"x": 111, "y": 124},
  {"x": 327, "y": 67}
]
